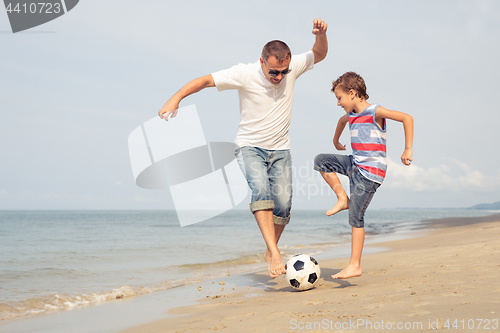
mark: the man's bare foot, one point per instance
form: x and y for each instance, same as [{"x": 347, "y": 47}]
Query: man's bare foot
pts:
[
  {"x": 348, "y": 272},
  {"x": 274, "y": 267},
  {"x": 342, "y": 204}
]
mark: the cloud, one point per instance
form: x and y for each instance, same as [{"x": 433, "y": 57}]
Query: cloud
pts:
[{"x": 440, "y": 178}]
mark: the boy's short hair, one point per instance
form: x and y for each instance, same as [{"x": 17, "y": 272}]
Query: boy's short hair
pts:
[
  {"x": 351, "y": 80},
  {"x": 278, "y": 49}
]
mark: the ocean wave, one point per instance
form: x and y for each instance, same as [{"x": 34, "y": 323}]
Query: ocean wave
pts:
[
  {"x": 58, "y": 302},
  {"x": 61, "y": 302}
]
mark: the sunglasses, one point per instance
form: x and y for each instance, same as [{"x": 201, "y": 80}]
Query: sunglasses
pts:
[{"x": 276, "y": 73}]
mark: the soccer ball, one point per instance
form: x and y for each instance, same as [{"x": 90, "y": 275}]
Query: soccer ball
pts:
[{"x": 302, "y": 272}]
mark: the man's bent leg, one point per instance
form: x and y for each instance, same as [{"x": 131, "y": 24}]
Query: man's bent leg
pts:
[
  {"x": 278, "y": 230},
  {"x": 254, "y": 163},
  {"x": 265, "y": 221},
  {"x": 280, "y": 182}
]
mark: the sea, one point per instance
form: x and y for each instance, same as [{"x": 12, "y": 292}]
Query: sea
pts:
[{"x": 61, "y": 260}]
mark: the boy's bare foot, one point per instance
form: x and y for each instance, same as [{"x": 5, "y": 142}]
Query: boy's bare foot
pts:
[
  {"x": 274, "y": 267},
  {"x": 342, "y": 204},
  {"x": 348, "y": 272}
]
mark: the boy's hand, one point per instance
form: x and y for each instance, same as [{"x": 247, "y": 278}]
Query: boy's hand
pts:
[
  {"x": 319, "y": 27},
  {"x": 338, "y": 145},
  {"x": 406, "y": 157}
]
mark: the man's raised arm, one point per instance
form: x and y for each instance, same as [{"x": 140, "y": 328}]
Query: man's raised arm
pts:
[
  {"x": 320, "y": 47},
  {"x": 169, "y": 110}
]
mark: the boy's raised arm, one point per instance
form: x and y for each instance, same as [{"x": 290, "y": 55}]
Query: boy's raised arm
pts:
[
  {"x": 338, "y": 132},
  {"x": 407, "y": 121}
]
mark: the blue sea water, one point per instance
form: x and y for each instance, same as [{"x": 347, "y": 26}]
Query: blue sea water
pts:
[{"x": 57, "y": 260}]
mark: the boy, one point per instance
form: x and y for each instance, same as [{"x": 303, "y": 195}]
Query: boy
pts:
[{"x": 367, "y": 166}]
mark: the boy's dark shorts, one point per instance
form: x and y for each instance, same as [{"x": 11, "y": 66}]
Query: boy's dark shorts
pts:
[{"x": 361, "y": 188}]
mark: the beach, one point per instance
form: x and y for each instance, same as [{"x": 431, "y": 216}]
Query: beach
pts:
[
  {"x": 442, "y": 276},
  {"x": 445, "y": 279}
]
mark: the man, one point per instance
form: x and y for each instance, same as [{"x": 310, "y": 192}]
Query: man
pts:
[{"x": 265, "y": 90}]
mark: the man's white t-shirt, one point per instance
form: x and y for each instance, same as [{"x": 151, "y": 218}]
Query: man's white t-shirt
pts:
[{"x": 265, "y": 108}]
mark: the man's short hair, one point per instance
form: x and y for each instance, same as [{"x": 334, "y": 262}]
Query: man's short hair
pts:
[
  {"x": 351, "y": 80},
  {"x": 278, "y": 49}
]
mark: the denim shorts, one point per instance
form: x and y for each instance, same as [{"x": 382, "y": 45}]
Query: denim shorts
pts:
[
  {"x": 361, "y": 188},
  {"x": 269, "y": 175}
]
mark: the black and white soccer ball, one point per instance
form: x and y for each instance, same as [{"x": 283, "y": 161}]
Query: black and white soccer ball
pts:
[{"x": 302, "y": 272}]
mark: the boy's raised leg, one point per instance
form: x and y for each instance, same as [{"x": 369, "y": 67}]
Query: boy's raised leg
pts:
[
  {"x": 343, "y": 200},
  {"x": 265, "y": 221},
  {"x": 353, "y": 269}
]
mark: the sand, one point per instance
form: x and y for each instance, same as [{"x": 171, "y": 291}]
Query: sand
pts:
[{"x": 442, "y": 279}]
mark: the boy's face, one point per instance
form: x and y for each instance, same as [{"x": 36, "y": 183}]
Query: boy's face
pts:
[{"x": 345, "y": 99}]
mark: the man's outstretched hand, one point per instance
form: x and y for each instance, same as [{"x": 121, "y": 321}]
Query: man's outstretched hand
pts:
[{"x": 169, "y": 110}]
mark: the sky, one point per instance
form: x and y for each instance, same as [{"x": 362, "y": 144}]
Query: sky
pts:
[{"x": 73, "y": 89}]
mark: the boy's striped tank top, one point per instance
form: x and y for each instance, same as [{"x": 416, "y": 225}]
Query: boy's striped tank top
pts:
[{"x": 368, "y": 144}]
